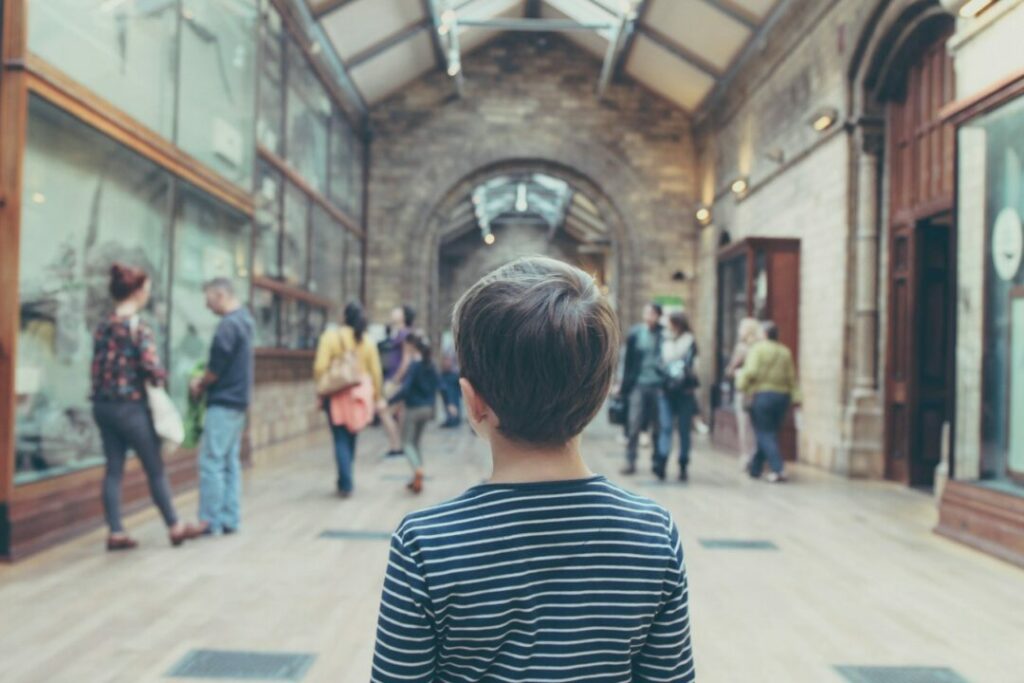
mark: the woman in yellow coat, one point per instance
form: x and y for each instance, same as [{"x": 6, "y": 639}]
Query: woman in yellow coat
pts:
[{"x": 336, "y": 343}]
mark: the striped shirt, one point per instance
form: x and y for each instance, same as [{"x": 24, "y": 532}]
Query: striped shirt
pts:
[{"x": 557, "y": 581}]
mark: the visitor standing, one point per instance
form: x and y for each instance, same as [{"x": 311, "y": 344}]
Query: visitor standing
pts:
[
  {"x": 125, "y": 360},
  {"x": 351, "y": 409},
  {"x": 451, "y": 394},
  {"x": 545, "y": 572},
  {"x": 678, "y": 402},
  {"x": 749, "y": 333},
  {"x": 394, "y": 363},
  {"x": 642, "y": 383},
  {"x": 768, "y": 376},
  {"x": 418, "y": 395},
  {"x": 227, "y": 386}
]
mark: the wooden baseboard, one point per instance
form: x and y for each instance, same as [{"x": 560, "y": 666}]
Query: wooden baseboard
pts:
[{"x": 989, "y": 520}]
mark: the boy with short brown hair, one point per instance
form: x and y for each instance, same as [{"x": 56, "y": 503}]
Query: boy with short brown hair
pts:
[{"x": 546, "y": 572}]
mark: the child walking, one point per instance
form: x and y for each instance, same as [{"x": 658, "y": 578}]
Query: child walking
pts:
[
  {"x": 546, "y": 572},
  {"x": 419, "y": 394}
]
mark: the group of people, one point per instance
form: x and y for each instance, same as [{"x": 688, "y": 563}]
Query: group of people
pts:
[
  {"x": 660, "y": 380},
  {"x": 396, "y": 381},
  {"x": 659, "y": 384},
  {"x": 125, "y": 370}
]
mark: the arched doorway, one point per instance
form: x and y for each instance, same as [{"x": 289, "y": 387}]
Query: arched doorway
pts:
[
  {"x": 525, "y": 207},
  {"x": 903, "y": 80}
]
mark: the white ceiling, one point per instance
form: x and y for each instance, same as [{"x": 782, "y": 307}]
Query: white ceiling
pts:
[{"x": 681, "y": 48}]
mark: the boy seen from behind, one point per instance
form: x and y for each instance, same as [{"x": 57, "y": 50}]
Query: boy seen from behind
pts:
[{"x": 546, "y": 572}]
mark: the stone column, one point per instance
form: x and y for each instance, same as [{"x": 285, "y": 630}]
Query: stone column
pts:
[
  {"x": 863, "y": 423},
  {"x": 867, "y": 273}
]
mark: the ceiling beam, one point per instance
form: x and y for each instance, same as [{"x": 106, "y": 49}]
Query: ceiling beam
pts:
[
  {"x": 734, "y": 11},
  {"x": 627, "y": 48},
  {"x": 435, "y": 37},
  {"x": 327, "y": 6},
  {"x": 689, "y": 56},
  {"x": 611, "y": 54},
  {"x": 514, "y": 24},
  {"x": 755, "y": 44},
  {"x": 391, "y": 41}
]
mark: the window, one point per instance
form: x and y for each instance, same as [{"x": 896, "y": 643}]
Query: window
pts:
[
  {"x": 295, "y": 236},
  {"x": 346, "y": 167},
  {"x": 210, "y": 241},
  {"x": 87, "y": 203},
  {"x": 992, "y": 157},
  {"x": 123, "y": 51},
  {"x": 309, "y": 112},
  {"x": 327, "y": 264},
  {"x": 269, "y": 186},
  {"x": 216, "y": 100},
  {"x": 270, "y": 129}
]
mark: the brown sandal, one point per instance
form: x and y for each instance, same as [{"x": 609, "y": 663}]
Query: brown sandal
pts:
[
  {"x": 122, "y": 543},
  {"x": 189, "y": 532}
]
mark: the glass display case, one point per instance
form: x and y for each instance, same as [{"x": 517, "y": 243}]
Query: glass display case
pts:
[{"x": 757, "y": 278}]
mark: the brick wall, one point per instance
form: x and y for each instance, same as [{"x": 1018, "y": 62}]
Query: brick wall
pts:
[
  {"x": 530, "y": 98},
  {"x": 284, "y": 404}
]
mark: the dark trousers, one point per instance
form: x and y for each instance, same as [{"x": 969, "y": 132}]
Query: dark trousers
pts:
[
  {"x": 344, "y": 454},
  {"x": 451, "y": 394},
  {"x": 127, "y": 425},
  {"x": 676, "y": 410},
  {"x": 767, "y": 411},
  {"x": 643, "y": 410}
]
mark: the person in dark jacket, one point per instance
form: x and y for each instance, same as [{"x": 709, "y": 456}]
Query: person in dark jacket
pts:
[
  {"x": 227, "y": 385},
  {"x": 419, "y": 395},
  {"x": 642, "y": 382}
]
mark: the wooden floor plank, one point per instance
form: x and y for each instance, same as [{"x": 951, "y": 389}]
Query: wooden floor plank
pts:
[{"x": 857, "y": 578}]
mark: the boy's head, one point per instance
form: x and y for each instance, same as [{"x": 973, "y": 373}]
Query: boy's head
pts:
[{"x": 537, "y": 345}]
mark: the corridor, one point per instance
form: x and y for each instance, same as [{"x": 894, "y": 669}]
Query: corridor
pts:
[{"x": 834, "y": 573}]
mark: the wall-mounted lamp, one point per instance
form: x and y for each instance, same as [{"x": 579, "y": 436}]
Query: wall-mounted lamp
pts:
[
  {"x": 739, "y": 186},
  {"x": 824, "y": 119},
  {"x": 489, "y": 239},
  {"x": 703, "y": 215},
  {"x": 38, "y": 198},
  {"x": 975, "y": 7}
]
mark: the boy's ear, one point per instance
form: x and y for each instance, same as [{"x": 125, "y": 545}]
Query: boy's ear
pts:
[{"x": 476, "y": 407}]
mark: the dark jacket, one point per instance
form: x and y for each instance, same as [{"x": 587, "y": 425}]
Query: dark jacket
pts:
[
  {"x": 633, "y": 359},
  {"x": 419, "y": 387},
  {"x": 231, "y": 360}
]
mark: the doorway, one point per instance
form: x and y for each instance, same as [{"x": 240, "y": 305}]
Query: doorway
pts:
[{"x": 922, "y": 264}]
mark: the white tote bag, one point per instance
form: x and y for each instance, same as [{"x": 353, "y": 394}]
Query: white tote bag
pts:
[{"x": 166, "y": 419}]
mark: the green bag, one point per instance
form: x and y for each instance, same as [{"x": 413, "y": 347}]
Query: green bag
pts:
[{"x": 195, "y": 414}]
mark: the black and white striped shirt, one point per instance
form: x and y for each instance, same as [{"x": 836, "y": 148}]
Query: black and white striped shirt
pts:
[{"x": 558, "y": 581}]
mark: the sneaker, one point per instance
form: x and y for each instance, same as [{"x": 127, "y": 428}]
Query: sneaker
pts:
[
  {"x": 659, "y": 471},
  {"x": 683, "y": 475},
  {"x": 394, "y": 453},
  {"x": 701, "y": 427},
  {"x": 628, "y": 470},
  {"x": 775, "y": 478}
]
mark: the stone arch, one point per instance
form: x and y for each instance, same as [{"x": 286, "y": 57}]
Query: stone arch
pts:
[{"x": 610, "y": 182}]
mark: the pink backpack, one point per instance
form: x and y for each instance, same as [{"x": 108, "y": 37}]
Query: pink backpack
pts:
[{"x": 353, "y": 408}]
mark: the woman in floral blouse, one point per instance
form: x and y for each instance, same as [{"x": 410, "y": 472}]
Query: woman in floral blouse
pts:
[{"x": 125, "y": 358}]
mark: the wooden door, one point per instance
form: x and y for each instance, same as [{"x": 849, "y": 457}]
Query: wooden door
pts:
[{"x": 921, "y": 271}]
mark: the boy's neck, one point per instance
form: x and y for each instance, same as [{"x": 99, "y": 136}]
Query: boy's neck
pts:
[{"x": 515, "y": 463}]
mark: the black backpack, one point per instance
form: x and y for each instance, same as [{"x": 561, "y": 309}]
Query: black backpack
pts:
[{"x": 681, "y": 375}]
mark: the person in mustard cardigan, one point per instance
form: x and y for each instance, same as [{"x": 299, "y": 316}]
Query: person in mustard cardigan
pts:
[
  {"x": 334, "y": 343},
  {"x": 769, "y": 377}
]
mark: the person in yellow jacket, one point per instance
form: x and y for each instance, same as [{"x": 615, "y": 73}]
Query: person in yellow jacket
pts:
[
  {"x": 769, "y": 377},
  {"x": 335, "y": 343}
]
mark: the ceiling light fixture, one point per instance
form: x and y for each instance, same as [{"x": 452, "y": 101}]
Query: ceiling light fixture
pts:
[
  {"x": 704, "y": 215},
  {"x": 824, "y": 119},
  {"x": 38, "y": 197},
  {"x": 739, "y": 186},
  {"x": 489, "y": 239},
  {"x": 974, "y": 8}
]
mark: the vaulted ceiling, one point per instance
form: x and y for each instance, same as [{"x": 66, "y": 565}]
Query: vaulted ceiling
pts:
[{"x": 678, "y": 48}]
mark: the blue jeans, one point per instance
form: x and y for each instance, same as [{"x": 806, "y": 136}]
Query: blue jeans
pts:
[
  {"x": 220, "y": 480},
  {"x": 675, "y": 410},
  {"x": 767, "y": 411},
  {"x": 344, "y": 454}
]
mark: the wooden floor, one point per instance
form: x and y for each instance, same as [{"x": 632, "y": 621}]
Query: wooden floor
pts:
[{"x": 857, "y": 577}]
